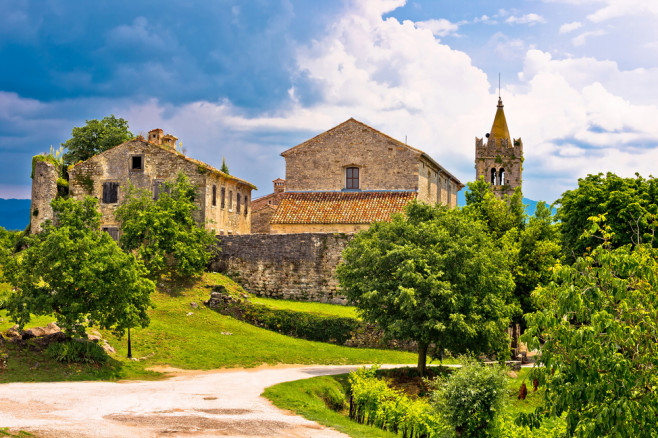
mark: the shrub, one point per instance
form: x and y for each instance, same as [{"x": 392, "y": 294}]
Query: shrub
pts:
[
  {"x": 471, "y": 398},
  {"x": 373, "y": 402},
  {"x": 77, "y": 350}
]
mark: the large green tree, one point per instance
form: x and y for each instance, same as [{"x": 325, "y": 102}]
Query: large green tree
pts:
[
  {"x": 95, "y": 137},
  {"x": 630, "y": 206},
  {"x": 432, "y": 275},
  {"x": 597, "y": 332},
  {"x": 163, "y": 232},
  {"x": 78, "y": 273}
]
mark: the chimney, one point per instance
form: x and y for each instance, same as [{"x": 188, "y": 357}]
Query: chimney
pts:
[
  {"x": 170, "y": 141},
  {"x": 155, "y": 136},
  {"x": 279, "y": 185}
]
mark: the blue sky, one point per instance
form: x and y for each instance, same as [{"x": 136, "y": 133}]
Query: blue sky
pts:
[{"x": 248, "y": 80}]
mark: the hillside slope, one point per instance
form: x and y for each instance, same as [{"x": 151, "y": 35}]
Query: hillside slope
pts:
[{"x": 14, "y": 213}]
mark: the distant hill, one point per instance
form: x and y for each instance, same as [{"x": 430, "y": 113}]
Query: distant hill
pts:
[
  {"x": 14, "y": 213},
  {"x": 530, "y": 205}
]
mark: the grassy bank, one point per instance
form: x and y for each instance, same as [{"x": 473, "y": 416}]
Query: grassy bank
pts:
[{"x": 185, "y": 337}]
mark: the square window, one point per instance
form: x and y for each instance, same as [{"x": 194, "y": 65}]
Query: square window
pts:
[
  {"x": 110, "y": 193},
  {"x": 113, "y": 232},
  {"x": 136, "y": 162}
]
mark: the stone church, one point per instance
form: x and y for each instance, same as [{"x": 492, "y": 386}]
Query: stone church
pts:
[
  {"x": 347, "y": 178},
  {"x": 499, "y": 159},
  {"x": 224, "y": 200}
]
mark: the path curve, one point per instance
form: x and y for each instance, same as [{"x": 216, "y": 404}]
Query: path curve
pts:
[{"x": 214, "y": 403}]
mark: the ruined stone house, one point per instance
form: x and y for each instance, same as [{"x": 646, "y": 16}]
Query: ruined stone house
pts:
[
  {"x": 500, "y": 159},
  {"x": 348, "y": 177},
  {"x": 224, "y": 200}
]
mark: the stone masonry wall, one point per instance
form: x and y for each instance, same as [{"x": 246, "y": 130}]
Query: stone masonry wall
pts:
[
  {"x": 44, "y": 190},
  {"x": 289, "y": 266}
]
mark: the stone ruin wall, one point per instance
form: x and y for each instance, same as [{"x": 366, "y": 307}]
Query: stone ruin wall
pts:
[
  {"x": 44, "y": 190},
  {"x": 289, "y": 266}
]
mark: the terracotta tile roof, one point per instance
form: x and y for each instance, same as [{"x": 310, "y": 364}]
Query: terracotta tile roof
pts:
[{"x": 340, "y": 207}]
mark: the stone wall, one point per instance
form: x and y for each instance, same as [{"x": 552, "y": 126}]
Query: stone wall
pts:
[
  {"x": 289, "y": 266},
  {"x": 44, "y": 190}
]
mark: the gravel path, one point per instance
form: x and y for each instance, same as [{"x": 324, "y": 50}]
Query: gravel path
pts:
[{"x": 215, "y": 403}]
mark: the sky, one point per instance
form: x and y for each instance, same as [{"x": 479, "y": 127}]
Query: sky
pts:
[{"x": 246, "y": 80}]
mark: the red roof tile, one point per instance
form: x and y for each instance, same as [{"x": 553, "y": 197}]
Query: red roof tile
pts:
[{"x": 340, "y": 207}]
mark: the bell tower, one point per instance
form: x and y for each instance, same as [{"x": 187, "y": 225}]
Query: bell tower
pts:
[{"x": 499, "y": 158}]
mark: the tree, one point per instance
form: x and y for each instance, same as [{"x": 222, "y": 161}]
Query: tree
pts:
[
  {"x": 224, "y": 166},
  {"x": 598, "y": 325},
  {"x": 431, "y": 276},
  {"x": 77, "y": 272},
  {"x": 500, "y": 215},
  {"x": 163, "y": 232},
  {"x": 630, "y": 206},
  {"x": 95, "y": 137}
]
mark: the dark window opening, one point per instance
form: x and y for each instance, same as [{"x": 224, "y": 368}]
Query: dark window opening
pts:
[
  {"x": 230, "y": 200},
  {"x": 501, "y": 177},
  {"x": 246, "y": 203},
  {"x": 113, "y": 232},
  {"x": 110, "y": 193},
  {"x": 238, "y": 206},
  {"x": 223, "y": 196},
  {"x": 352, "y": 178},
  {"x": 136, "y": 162},
  {"x": 493, "y": 177},
  {"x": 214, "y": 196},
  {"x": 159, "y": 187}
]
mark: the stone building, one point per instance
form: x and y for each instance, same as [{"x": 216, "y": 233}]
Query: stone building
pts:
[
  {"x": 263, "y": 208},
  {"x": 499, "y": 160},
  {"x": 348, "y": 177},
  {"x": 224, "y": 201}
]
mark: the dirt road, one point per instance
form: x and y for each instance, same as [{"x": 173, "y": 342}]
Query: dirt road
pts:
[{"x": 218, "y": 403}]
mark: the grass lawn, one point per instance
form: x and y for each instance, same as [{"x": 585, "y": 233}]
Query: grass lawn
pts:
[
  {"x": 308, "y": 307},
  {"x": 189, "y": 338}
]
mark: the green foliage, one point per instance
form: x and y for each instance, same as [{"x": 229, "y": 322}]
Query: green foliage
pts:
[
  {"x": 533, "y": 244},
  {"x": 43, "y": 157},
  {"x": 630, "y": 206},
  {"x": 598, "y": 323},
  {"x": 95, "y": 137},
  {"x": 77, "y": 272},
  {"x": 224, "y": 167},
  {"x": 163, "y": 232},
  {"x": 77, "y": 350},
  {"x": 374, "y": 402},
  {"x": 432, "y": 276},
  {"x": 471, "y": 398}
]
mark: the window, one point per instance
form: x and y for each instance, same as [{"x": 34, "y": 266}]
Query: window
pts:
[
  {"x": 238, "y": 206},
  {"x": 137, "y": 162},
  {"x": 352, "y": 178},
  {"x": 230, "y": 200},
  {"x": 113, "y": 232},
  {"x": 501, "y": 177},
  {"x": 110, "y": 193},
  {"x": 246, "y": 202},
  {"x": 223, "y": 196},
  {"x": 214, "y": 195},
  {"x": 159, "y": 186},
  {"x": 493, "y": 177}
]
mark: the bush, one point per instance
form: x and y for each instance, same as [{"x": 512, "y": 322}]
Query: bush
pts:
[
  {"x": 471, "y": 398},
  {"x": 77, "y": 350},
  {"x": 373, "y": 402}
]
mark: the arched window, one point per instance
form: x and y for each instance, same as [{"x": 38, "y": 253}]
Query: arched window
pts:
[
  {"x": 493, "y": 177},
  {"x": 501, "y": 177}
]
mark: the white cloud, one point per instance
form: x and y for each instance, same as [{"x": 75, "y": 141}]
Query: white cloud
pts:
[
  {"x": 440, "y": 27},
  {"x": 583, "y": 37},
  {"x": 530, "y": 19},
  {"x": 569, "y": 27},
  {"x": 609, "y": 9}
]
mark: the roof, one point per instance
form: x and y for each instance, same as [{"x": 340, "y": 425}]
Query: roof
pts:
[
  {"x": 207, "y": 167},
  {"x": 499, "y": 128},
  {"x": 340, "y": 207},
  {"x": 397, "y": 142}
]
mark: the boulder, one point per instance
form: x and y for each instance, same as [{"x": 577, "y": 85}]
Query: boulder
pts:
[
  {"x": 13, "y": 332},
  {"x": 194, "y": 305},
  {"x": 51, "y": 329},
  {"x": 108, "y": 348}
]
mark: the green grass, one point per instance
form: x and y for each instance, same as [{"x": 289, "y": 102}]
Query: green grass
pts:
[
  {"x": 6, "y": 432},
  {"x": 308, "y": 307},
  {"x": 202, "y": 340},
  {"x": 306, "y": 398}
]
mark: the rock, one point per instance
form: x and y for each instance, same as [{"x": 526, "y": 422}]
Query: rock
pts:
[
  {"x": 52, "y": 328},
  {"x": 194, "y": 305},
  {"x": 512, "y": 375},
  {"x": 13, "y": 332},
  {"x": 34, "y": 332},
  {"x": 108, "y": 348},
  {"x": 189, "y": 313},
  {"x": 94, "y": 338}
]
